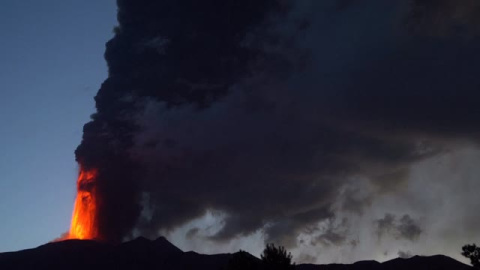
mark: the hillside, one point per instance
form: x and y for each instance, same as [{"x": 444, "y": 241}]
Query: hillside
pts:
[{"x": 142, "y": 253}]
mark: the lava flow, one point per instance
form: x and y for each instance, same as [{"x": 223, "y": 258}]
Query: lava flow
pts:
[{"x": 85, "y": 213}]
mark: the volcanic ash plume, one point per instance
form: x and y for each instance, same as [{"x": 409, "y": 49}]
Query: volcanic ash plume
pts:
[
  {"x": 292, "y": 121},
  {"x": 171, "y": 52}
]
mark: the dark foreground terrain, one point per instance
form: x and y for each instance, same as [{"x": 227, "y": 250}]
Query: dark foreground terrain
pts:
[{"x": 161, "y": 254}]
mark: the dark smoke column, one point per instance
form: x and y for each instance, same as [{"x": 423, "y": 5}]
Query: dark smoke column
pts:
[{"x": 175, "y": 51}]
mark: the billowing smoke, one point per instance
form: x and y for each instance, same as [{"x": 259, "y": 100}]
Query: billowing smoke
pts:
[
  {"x": 175, "y": 53},
  {"x": 284, "y": 118},
  {"x": 402, "y": 228}
]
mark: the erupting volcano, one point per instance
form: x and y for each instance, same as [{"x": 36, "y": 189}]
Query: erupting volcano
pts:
[{"x": 85, "y": 213}]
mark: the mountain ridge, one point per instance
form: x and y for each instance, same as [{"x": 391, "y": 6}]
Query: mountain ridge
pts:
[{"x": 142, "y": 253}]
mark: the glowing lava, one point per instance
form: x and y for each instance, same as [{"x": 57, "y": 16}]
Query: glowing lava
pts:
[{"x": 85, "y": 213}]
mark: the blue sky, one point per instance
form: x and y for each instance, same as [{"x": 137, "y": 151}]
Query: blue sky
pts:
[{"x": 51, "y": 66}]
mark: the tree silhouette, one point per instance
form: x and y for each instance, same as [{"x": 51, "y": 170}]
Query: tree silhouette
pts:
[
  {"x": 276, "y": 258},
  {"x": 473, "y": 253}
]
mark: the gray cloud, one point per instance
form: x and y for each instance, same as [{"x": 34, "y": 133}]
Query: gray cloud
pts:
[
  {"x": 445, "y": 17},
  {"x": 404, "y": 254},
  {"x": 403, "y": 228},
  {"x": 192, "y": 233},
  {"x": 334, "y": 234},
  {"x": 309, "y": 111},
  {"x": 408, "y": 228},
  {"x": 306, "y": 258},
  {"x": 278, "y": 150}
]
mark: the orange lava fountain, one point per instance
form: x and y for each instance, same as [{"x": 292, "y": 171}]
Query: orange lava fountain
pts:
[{"x": 85, "y": 213}]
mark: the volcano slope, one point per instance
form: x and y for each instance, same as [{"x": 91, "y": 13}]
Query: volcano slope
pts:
[{"x": 142, "y": 253}]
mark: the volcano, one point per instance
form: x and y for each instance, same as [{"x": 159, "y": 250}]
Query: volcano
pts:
[{"x": 142, "y": 253}]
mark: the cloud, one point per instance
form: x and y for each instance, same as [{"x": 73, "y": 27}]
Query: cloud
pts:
[
  {"x": 385, "y": 224},
  {"x": 404, "y": 254},
  {"x": 445, "y": 17},
  {"x": 281, "y": 116},
  {"x": 403, "y": 228},
  {"x": 408, "y": 228},
  {"x": 192, "y": 233},
  {"x": 334, "y": 234}
]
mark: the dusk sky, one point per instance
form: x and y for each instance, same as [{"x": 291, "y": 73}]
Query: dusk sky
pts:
[
  {"x": 50, "y": 69},
  {"x": 343, "y": 130}
]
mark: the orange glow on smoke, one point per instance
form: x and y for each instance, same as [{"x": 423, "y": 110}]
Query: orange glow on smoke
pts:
[{"x": 85, "y": 212}]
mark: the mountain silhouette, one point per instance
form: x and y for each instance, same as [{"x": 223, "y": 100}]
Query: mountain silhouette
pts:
[
  {"x": 142, "y": 253},
  {"x": 437, "y": 262}
]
